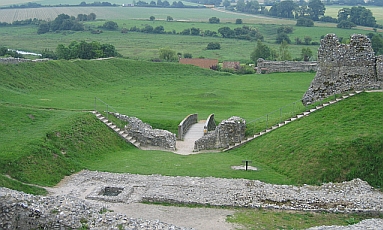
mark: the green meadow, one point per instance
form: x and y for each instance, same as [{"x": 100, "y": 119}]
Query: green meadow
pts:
[{"x": 47, "y": 131}]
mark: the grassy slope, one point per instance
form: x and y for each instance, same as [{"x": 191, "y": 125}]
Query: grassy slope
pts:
[
  {"x": 60, "y": 141},
  {"x": 342, "y": 142}
]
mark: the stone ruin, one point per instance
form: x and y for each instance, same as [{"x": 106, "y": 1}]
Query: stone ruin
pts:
[
  {"x": 228, "y": 132},
  {"x": 12, "y": 60},
  {"x": 345, "y": 67},
  {"x": 146, "y": 135},
  {"x": 264, "y": 66}
]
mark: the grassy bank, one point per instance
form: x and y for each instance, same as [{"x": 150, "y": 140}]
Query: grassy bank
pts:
[{"x": 47, "y": 135}]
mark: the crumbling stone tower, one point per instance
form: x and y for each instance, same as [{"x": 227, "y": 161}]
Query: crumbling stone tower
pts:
[{"x": 345, "y": 67}]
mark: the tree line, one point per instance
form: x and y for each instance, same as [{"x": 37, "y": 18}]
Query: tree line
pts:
[
  {"x": 37, "y": 5},
  {"x": 308, "y": 12},
  {"x": 65, "y": 22}
]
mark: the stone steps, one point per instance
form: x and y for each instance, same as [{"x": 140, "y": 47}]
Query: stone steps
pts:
[
  {"x": 120, "y": 132},
  {"x": 306, "y": 113}
]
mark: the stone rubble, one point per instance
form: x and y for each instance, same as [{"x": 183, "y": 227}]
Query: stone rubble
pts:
[{"x": 69, "y": 209}]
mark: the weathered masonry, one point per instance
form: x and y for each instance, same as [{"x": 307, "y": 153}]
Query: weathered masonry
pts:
[
  {"x": 345, "y": 67},
  {"x": 264, "y": 66}
]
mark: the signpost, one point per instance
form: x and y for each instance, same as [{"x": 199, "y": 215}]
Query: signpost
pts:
[{"x": 247, "y": 163}]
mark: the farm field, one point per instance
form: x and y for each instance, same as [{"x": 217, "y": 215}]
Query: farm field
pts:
[
  {"x": 146, "y": 46},
  {"x": 332, "y": 10}
]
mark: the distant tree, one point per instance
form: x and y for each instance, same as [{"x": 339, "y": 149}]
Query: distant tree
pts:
[
  {"x": 165, "y": 4},
  {"x": 57, "y": 23},
  {"x": 345, "y": 24},
  {"x": 285, "y": 29},
  {"x": 43, "y": 28},
  {"x": 358, "y": 15},
  {"x": 307, "y": 40},
  {"x": 82, "y": 17},
  {"x": 328, "y": 19},
  {"x": 153, "y": 3},
  {"x": 167, "y": 54},
  {"x": 91, "y": 17},
  {"x": 110, "y": 25},
  {"x": 238, "y": 21},
  {"x": 316, "y": 9},
  {"x": 147, "y": 29},
  {"x": 168, "y": 18},
  {"x": 298, "y": 41},
  {"x": 213, "y": 46},
  {"x": 214, "y": 20},
  {"x": 159, "y": 30},
  {"x": 284, "y": 53},
  {"x": 188, "y": 55},
  {"x": 152, "y": 18},
  {"x": 226, "y": 32},
  {"x": 185, "y": 32},
  {"x": 194, "y": 31},
  {"x": 226, "y": 3},
  {"x": 304, "y": 22},
  {"x": 377, "y": 44},
  {"x": 240, "y": 5},
  {"x": 261, "y": 51},
  {"x": 282, "y": 37},
  {"x": 306, "y": 54}
]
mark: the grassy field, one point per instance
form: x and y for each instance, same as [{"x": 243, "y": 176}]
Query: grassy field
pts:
[
  {"x": 47, "y": 133},
  {"x": 332, "y": 11},
  {"x": 146, "y": 46}
]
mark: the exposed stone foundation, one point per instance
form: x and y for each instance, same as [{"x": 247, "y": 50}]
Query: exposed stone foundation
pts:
[
  {"x": 344, "y": 67},
  {"x": 12, "y": 60},
  {"x": 228, "y": 132},
  {"x": 146, "y": 135},
  {"x": 284, "y": 66}
]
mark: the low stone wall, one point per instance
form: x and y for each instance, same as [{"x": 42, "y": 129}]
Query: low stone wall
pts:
[
  {"x": 284, "y": 66},
  {"x": 12, "y": 60},
  {"x": 185, "y": 124},
  {"x": 146, "y": 135},
  {"x": 228, "y": 132}
]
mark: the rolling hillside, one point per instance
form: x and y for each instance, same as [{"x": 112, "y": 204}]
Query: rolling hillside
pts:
[{"x": 47, "y": 133}]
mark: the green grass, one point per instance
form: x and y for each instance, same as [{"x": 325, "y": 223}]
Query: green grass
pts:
[
  {"x": 163, "y": 93},
  {"x": 340, "y": 143},
  {"x": 47, "y": 134},
  {"x": 271, "y": 219},
  {"x": 16, "y": 185}
]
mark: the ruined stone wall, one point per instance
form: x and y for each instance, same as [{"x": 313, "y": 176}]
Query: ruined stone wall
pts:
[
  {"x": 344, "y": 67},
  {"x": 12, "y": 60},
  {"x": 284, "y": 66},
  {"x": 228, "y": 132},
  {"x": 146, "y": 135}
]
